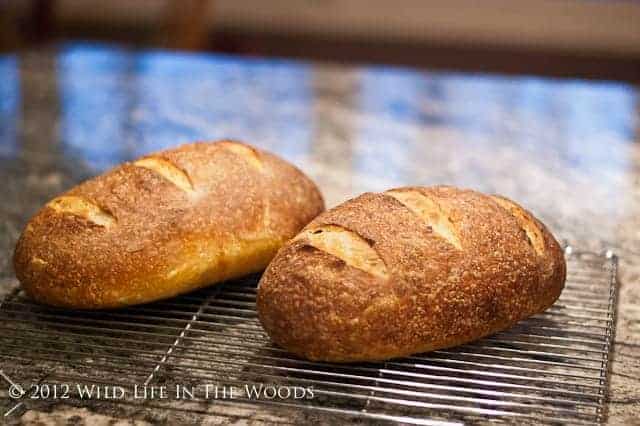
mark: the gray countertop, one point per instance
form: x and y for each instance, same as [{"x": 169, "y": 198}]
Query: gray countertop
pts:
[{"x": 568, "y": 150}]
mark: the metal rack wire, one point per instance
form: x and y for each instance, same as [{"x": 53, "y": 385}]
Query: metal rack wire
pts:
[{"x": 550, "y": 368}]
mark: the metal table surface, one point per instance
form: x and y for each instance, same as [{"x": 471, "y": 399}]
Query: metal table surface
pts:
[{"x": 566, "y": 149}]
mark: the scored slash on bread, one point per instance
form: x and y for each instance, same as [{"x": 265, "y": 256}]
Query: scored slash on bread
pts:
[
  {"x": 347, "y": 246},
  {"x": 168, "y": 171},
  {"x": 430, "y": 211},
  {"x": 82, "y": 208},
  {"x": 526, "y": 221},
  {"x": 163, "y": 225},
  {"x": 406, "y": 271}
]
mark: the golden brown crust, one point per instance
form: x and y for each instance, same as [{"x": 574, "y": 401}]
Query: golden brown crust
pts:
[
  {"x": 436, "y": 295},
  {"x": 201, "y": 213}
]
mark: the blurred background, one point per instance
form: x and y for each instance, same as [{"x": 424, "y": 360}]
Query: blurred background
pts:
[
  {"x": 582, "y": 38},
  {"x": 505, "y": 96}
]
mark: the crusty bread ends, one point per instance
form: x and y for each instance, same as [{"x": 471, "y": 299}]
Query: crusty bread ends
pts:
[
  {"x": 165, "y": 224},
  {"x": 407, "y": 271}
]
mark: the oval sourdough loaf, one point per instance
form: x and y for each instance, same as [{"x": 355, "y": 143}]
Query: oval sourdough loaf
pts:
[
  {"x": 406, "y": 271},
  {"x": 163, "y": 225}
]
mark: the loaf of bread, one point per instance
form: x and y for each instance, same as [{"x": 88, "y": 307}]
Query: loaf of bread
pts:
[
  {"x": 163, "y": 225},
  {"x": 406, "y": 271}
]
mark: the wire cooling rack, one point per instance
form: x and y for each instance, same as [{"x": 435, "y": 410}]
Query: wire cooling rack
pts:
[{"x": 551, "y": 368}]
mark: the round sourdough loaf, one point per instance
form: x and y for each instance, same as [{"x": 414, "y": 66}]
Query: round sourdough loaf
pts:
[
  {"x": 406, "y": 271},
  {"x": 163, "y": 225}
]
